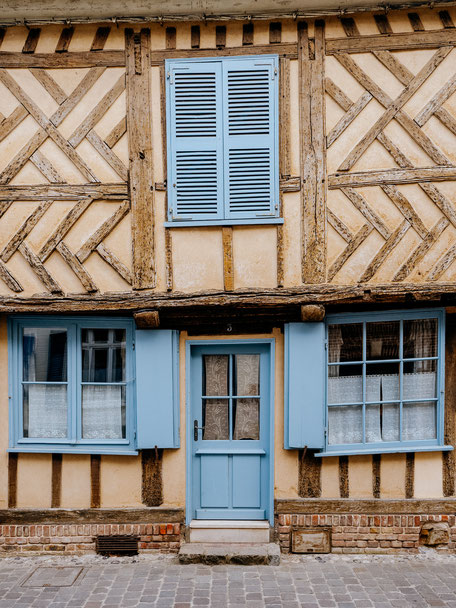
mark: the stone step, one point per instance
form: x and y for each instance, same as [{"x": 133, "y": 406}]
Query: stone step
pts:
[
  {"x": 230, "y": 553},
  {"x": 228, "y": 531}
]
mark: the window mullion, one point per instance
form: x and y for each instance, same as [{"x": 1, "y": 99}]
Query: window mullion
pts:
[{"x": 74, "y": 382}]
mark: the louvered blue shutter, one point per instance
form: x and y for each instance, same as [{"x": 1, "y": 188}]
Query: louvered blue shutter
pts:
[
  {"x": 195, "y": 142},
  {"x": 251, "y": 137},
  {"x": 157, "y": 399},
  {"x": 304, "y": 385}
]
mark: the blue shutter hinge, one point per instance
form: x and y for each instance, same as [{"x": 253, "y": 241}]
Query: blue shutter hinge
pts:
[
  {"x": 275, "y": 71},
  {"x": 134, "y": 435},
  {"x": 169, "y": 76},
  {"x": 326, "y": 344},
  {"x": 133, "y": 346}
]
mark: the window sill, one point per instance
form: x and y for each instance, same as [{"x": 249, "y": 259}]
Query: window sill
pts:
[
  {"x": 240, "y": 222},
  {"x": 69, "y": 450},
  {"x": 380, "y": 450}
]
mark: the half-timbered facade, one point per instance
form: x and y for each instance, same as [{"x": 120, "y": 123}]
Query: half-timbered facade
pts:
[{"x": 227, "y": 276}]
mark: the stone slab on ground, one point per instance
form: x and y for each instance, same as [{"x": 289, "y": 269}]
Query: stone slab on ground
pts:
[{"x": 230, "y": 553}]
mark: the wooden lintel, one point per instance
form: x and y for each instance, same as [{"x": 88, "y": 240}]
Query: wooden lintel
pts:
[
  {"x": 391, "y": 42},
  {"x": 391, "y": 176},
  {"x": 268, "y": 298},
  {"x": 358, "y": 505},
  {"x": 141, "y": 157},
  {"x": 63, "y": 192},
  {"x": 312, "y": 313},
  {"x": 62, "y": 60},
  {"x": 284, "y": 49},
  {"x": 92, "y": 516},
  {"x": 147, "y": 319}
]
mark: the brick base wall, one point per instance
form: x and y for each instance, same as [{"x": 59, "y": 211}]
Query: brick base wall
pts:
[
  {"x": 367, "y": 533},
  {"x": 80, "y": 538}
]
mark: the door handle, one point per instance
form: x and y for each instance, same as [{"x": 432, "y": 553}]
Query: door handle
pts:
[{"x": 196, "y": 428}]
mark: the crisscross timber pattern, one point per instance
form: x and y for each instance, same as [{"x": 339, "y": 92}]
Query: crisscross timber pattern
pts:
[{"x": 359, "y": 187}]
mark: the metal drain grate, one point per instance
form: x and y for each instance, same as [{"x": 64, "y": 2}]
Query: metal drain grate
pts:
[{"x": 117, "y": 544}]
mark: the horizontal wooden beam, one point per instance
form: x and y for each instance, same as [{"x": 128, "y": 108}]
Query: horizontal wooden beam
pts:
[
  {"x": 391, "y": 176},
  {"x": 375, "y": 506},
  {"x": 245, "y": 299},
  {"x": 391, "y": 42},
  {"x": 63, "y": 192},
  {"x": 63, "y": 60},
  {"x": 285, "y": 49},
  {"x": 154, "y": 515}
]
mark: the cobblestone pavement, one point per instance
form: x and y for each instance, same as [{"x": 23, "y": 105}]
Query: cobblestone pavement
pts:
[{"x": 159, "y": 582}]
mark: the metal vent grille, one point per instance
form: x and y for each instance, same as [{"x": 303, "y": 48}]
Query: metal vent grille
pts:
[{"x": 117, "y": 545}]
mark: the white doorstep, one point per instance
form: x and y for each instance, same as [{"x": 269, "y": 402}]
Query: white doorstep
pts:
[{"x": 228, "y": 531}]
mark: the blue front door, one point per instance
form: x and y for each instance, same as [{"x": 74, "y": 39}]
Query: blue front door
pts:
[{"x": 230, "y": 431}]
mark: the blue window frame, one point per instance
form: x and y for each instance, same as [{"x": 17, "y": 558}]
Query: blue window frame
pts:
[
  {"x": 222, "y": 119},
  {"x": 71, "y": 383},
  {"x": 385, "y": 382}
]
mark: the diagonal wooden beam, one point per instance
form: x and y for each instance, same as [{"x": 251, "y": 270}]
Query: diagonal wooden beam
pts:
[
  {"x": 418, "y": 254},
  {"x": 443, "y": 263},
  {"x": 95, "y": 239},
  {"x": 406, "y": 208},
  {"x": 366, "y": 210},
  {"x": 12, "y": 121},
  {"x": 64, "y": 227},
  {"x": 434, "y": 104},
  {"x": 40, "y": 270},
  {"x": 46, "y": 125},
  {"x": 385, "y": 251},
  {"x": 105, "y": 152},
  {"x": 118, "y": 131},
  {"x": 403, "y": 119},
  {"x": 23, "y": 156},
  {"x": 339, "y": 226},
  {"x": 337, "y": 94},
  {"x": 18, "y": 238},
  {"x": 46, "y": 168},
  {"x": 393, "y": 107},
  {"x": 348, "y": 118},
  {"x": 9, "y": 280},
  {"x": 48, "y": 83},
  {"x": 77, "y": 267},
  {"x": 108, "y": 256},
  {"x": 349, "y": 250},
  {"x": 98, "y": 112}
]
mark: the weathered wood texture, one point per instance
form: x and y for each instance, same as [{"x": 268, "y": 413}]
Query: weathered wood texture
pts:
[
  {"x": 141, "y": 157},
  {"x": 12, "y": 480},
  {"x": 358, "y": 505},
  {"x": 95, "y": 492},
  {"x": 152, "y": 484},
  {"x": 228, "y": 267},
  {"x": 56, "y": 480},
  {"x": 309, "y": 481},
  {"x": 449, "y": 459},
  {"x": 95, "y": 516},
  {"x": 313, "y": 166},
  {"x": 344, "y": 487}
]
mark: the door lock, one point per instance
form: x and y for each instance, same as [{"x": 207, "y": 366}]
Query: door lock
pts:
[{"x": 196, "y": 428}]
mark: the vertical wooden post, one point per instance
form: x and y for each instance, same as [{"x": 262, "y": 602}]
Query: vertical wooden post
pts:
[
  {"x": 152, "y": 485},
  {"x": 376, "y": 464},
  {"x": 449, "y": 458},
  {"x": 56, "y": 484},
  {"x": 141, "y": 158},
  {"x": 313, "y": 153},
  {"x": 95, "y": 494},
  {"x": 309, "y": 483},
  {"x": 344, "y": 487},
  {"x": 12, "y": 480},
  {"x": 409, "y": 475},
  {"x": 228, "y": 270}
]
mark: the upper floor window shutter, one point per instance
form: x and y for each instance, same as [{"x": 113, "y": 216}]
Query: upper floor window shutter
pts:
[
  {"x": 195, "y": 164},
  {"x": 304, "y": 385},
  {"x": 250, "y": 89},
  {"x": 157, "y": 398}
]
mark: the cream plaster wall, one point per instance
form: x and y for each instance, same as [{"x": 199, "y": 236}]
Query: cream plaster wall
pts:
[
  {"x": 34, "y": 481},
  {"x": 428, "y": 475},
  {"x": 120, "y": 481},
  {"x": 392, "y": 476},
  {"x": 75, "y": 490}
]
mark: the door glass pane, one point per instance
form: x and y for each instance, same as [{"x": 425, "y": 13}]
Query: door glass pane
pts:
[
  {"x": 382, "y": 422},
  {"x": 346, "y": 342},
  {"x": 103, "y": 412},
  {"x": 246, "y": 375},
  {"x": 382, "y": 340},
  {"x": 418, "y": 421},
  {"x": 216, "y": 375},
  {"x": 45, "y": 411},
  {"x": 103, "y": 355},
  {"x": 420, "y": 338},
  {"x": 216, "y": 417},
  {"x": 246, "y": 419},
  {"x": 44, "y": 354},
  {"x": 345, "y": 424}
]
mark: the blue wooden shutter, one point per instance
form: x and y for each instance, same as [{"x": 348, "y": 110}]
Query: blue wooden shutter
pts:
[
  {"x": 195, "y": 142},
  {"x": 157, "y": 399},
  {"x": 251, "y": 137},
  {"x": 304, "y": 385}
]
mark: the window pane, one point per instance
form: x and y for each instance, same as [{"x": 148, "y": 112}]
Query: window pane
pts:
[
  {"x": 382, "y": 340},
  {"x": 382, "y": 422},
  {"x": 419, "y": 421},
  {"x": 345, "y": 342},
  {"x": 344, "y": 388},
  {"x": 420, "y": 338},
  {"x": 420, "y": 381},
  {"x": 246, "y": 375},
  {"x": 246, "y": 419},
  {"x": 44, "y": 354},
  {"x": 216, "y": 416},
  {"x": 103, "y": 412},
  {"x": 382, "y": 382},
  {"x": 45, "y": 411},
  {"x": 215, "y": 375},
  {"x": 103, "y": 355},
  {"x": 345, "y": 424}
]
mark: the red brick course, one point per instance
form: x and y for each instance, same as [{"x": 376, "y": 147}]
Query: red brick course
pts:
[
  {"x": 361, "y": 533},
  {"x": 80, "y": 538}
]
